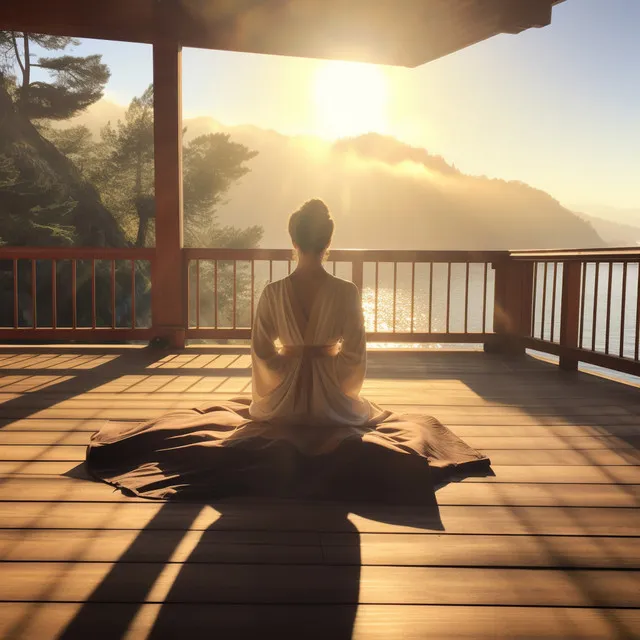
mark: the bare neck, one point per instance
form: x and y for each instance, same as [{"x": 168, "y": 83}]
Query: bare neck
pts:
[{"x": 309, "y": 264}]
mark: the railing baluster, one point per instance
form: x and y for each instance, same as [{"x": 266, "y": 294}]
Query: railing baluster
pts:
[
  {"x": 270, "y": 270},
  {"x": 235, "y": 296},
  {"x": 484, "y": 297},
  {"x": 448, "y": 295},
  {"x": 623, "y": 307},
  {"x": 133, "y": 294},
  {"x": 215, "y": 294},
  {"x": 74, "y": 294},
  {"x": 430, "y": 296},
  {"x": 197, "y": 294},
  {"x": 251, "y": 311},
  {"x": 533, "y": 298},
  {"x": 544, "y": 299},
  {"x": 33, "y": 295},
  {"x": 288, "y": 267},
  {"x": 357, "y": 274},
  {"x": 16, "y": 308},
  {"x": 413, "y": 293},
  {"x": 333, "y": 268},
  {"x": 466, "y": 297},
  {"x": 375, "y": 303},
  {"x": 113, "y": 294},
  {"x": 188, "y": 291},
  {"x": 608, "y": 319},
  {"x": 553, "y": 300},
  {"x": 595, "y": 306},
  {"x": 582, "y": 303},
  {"x": 637, "y": 347},
  {"x": 395, "y": 291},
  {"x": 54, "y": 297},
  {"x": 93, "y": 294}
]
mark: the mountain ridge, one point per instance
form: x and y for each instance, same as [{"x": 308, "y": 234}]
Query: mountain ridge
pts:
[{"x": 384, "y": 194}]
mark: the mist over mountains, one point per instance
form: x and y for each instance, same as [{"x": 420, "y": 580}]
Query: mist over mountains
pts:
[{"x": 383, "y": 193}]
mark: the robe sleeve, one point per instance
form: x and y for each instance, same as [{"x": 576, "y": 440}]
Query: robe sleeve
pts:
[
  {"x": 265, "y": 362},
  {"x": 351, "y": 362}
]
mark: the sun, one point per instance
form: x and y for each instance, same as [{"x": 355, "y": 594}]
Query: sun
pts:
[{"x": 350, "y": 99}]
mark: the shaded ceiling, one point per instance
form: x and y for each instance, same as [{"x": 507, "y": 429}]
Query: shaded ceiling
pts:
[{"x": 394, "y": 32}]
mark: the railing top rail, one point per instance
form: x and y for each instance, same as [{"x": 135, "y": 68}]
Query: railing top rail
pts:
[
  {"x": 338, "y": 255},
  {"x": 349, "y": 255},
  {"x": 76, "y": 253},
  {"x": 583, "y": 255}
]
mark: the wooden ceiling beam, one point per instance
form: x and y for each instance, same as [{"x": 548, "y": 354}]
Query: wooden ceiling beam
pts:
[{"x": 394, "y": 32}]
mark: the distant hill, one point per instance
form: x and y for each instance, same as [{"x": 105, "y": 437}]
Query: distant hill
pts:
[
  {"x": 384, "y": 194},
  {"x": 614, "y": 234}
]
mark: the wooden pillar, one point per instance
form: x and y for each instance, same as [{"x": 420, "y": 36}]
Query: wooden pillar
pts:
[
  {"x": 570, "y": 312},
  {"x": 513, "y": 306},
  {"x": 169, "y": 304}
]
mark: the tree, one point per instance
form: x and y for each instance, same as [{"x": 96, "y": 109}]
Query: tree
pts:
[
  {"x": 212, "y": 163},
  {"x": 46, "y": 223},
  {"x": 75, "y": 82},
  {"x": 122, "y": 168},
  {"x": 44, "y": 199}
]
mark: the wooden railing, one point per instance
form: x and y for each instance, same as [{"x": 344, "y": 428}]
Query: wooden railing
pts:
[
  {"x": 580, "y": 305},
  {"x": 408, "y": 296},
  {"x": 584, "y": 306},
  {"x": 88, "y": 295}
]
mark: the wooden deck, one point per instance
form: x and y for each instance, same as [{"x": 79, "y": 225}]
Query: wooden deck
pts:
[{"x": 549, "y": 547}]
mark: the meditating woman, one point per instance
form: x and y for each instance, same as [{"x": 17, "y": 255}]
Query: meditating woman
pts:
[{"x": 307, "y": 433}]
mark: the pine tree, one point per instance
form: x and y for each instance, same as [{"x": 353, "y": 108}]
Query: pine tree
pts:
[
  {"x": 122, "y": 167},
  {"x": 74, "y": 82}
]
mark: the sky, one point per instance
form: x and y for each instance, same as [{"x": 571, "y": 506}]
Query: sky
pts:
[{"x": 557, "y": 108}]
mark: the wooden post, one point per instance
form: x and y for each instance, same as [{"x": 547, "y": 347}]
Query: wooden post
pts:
[
  {"x": 570, "y": 312},
  {"x": 512, "y": 306},
  {"x": 168, "y": 285}
]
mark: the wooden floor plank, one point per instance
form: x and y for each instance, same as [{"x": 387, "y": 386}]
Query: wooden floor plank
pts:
[
  {"x": 456, "y": 493},
  {"x": 43, "y": 621},
  {"x": 73, "y": 582},
  {"x": 507, "y": 457},
  {"x": 550, "y": 442},
  {"x": 233, "y": 547},
  {"x": 538, "y": 474},
  {"x": 55, "y": 407},
  {"x": 447, "y": 415},
  {"x": 581, "y": 521},
  {"x": 189, "y": 392},
  {"x": 565, "y": 431}
]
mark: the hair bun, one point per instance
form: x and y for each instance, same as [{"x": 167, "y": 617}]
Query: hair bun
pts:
[
  {"x": 311, "y": 227},
  {"x": 315, "y": 209}
]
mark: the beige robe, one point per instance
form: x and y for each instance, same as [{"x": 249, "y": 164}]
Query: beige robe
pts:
[{"x": 318, "y": 390}]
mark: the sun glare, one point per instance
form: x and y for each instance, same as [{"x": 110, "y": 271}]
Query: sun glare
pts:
[{"x": 350, "y": 99}]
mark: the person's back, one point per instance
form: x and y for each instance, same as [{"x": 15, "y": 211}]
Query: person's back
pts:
[{"x": 318, "y": 371}]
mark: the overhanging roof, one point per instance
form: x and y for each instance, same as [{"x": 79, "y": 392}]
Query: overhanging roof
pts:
[{"x": 394, "y": 32}]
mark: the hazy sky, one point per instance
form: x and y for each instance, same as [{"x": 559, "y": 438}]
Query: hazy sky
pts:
[{"x": 558, "y": 108}]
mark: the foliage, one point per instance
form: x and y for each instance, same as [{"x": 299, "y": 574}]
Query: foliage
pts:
[
  {"x": 121, "y": 166},
  {"x": 53, "y": 88},
  {"x": 43, "y": 197},
  {"x": 44, "y": 221},
  {"x": 211, "y": 164}
]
